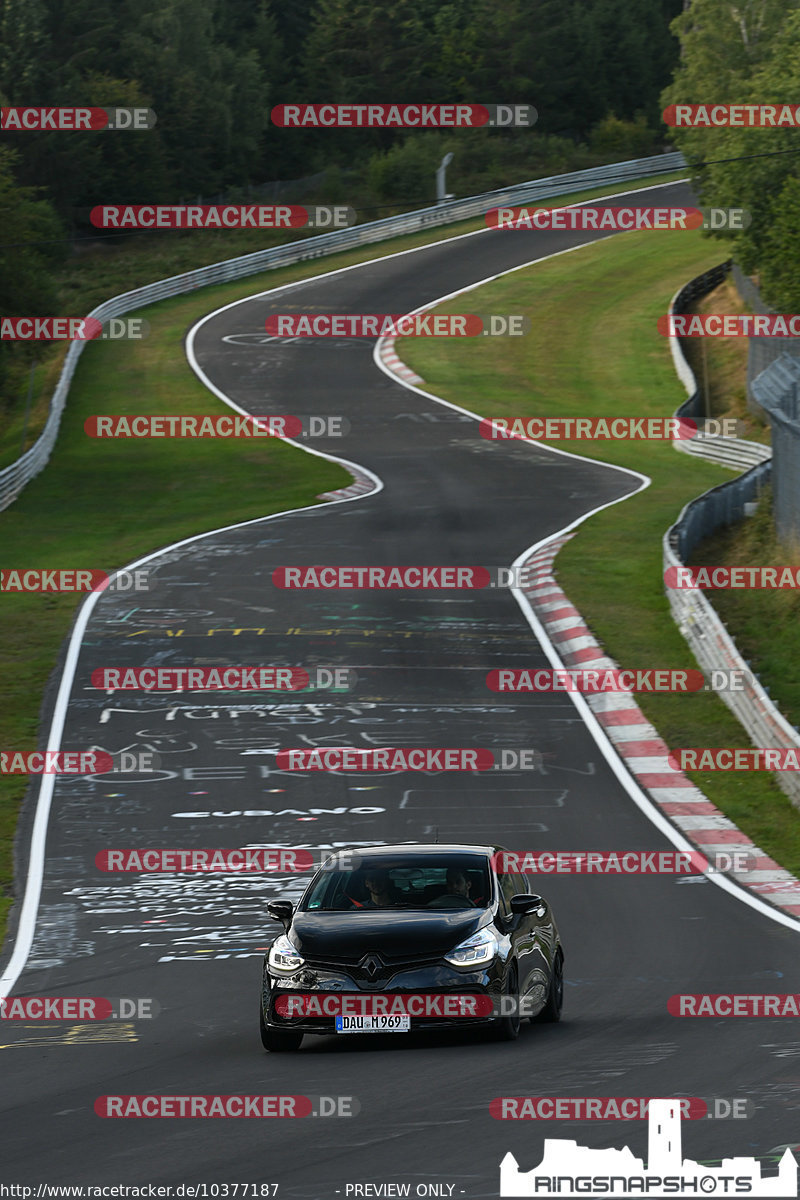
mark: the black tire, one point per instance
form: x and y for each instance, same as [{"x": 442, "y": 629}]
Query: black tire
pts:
[
  {"x": 507, "y": 1028},
  {"x": 555, "y": 997},
  {"x": 278, "y": 1041}
]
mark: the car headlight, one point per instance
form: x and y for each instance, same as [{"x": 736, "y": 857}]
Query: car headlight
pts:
[
  {"x": 475, "y": 951},
  {"x": 283, "y": 955}
]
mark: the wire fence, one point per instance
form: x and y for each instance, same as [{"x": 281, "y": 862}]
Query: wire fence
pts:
[
  {"x": 762, "y": 352},
  {"x": 776, "y": 390}
]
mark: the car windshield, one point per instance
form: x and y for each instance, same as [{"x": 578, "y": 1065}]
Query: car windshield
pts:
[{"x": 452, "y": 881}]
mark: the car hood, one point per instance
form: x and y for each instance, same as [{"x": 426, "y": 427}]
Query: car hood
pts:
[{"x": 396, "y": 935}]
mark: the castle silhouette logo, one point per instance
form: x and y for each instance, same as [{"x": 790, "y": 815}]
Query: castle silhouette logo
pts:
[{"x": 568, "y": 1169}]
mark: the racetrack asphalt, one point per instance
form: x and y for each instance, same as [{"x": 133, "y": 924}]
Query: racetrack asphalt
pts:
[{"x": 421, "y": 658}]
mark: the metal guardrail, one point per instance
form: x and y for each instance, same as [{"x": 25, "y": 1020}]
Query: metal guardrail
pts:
[
  {"x": 15, "y": 477},
  {"x": 709, "y": 640},
  {"x": 737, "y": 454}
]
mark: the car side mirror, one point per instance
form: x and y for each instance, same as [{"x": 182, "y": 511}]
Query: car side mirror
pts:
[
  {"x": 281, "y": 910},
  {"x": 525, "y": 902}
]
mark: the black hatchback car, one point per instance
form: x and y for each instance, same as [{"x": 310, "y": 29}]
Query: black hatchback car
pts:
[{"x": 411, "y": 929}]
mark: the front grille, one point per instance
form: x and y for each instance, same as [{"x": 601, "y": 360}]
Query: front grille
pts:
[{"x": 350, "y": 964}]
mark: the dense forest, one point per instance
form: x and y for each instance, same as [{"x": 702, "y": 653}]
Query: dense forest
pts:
[
  {"x": 597, "y": 71},
  {"x": 213, "y": 69},
  {"x": 747, "y": 53}
]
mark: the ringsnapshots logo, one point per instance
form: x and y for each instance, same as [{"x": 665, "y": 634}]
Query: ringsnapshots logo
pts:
[
  {"x": 75, "y": 120},
  {"x": 569, "y": 1170},
  {"x": 404, "y": 116}
]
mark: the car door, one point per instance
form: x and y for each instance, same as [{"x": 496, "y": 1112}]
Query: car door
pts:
[
  {"x": 546, "y": 929},
  {"x": 521, "y": 929},
  {"x": 533, "y": 936}
]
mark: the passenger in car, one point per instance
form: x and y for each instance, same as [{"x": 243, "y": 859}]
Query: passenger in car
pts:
[{"x": 381, "y": 891}]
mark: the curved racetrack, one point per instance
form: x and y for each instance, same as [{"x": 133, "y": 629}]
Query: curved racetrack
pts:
[{"x": 195, "y": 943}]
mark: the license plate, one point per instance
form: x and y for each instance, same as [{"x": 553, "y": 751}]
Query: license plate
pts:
[{"x": 375, "y": 1023}]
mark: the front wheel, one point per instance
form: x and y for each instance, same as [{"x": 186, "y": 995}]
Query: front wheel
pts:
[
  {"x": 507, "y": 1028},
  {"x": 555, "y": 997},
  {"x": 278, "y": 1041}
]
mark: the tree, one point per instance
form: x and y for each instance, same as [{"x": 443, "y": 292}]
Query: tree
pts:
[{"x": 30, "y": 247}]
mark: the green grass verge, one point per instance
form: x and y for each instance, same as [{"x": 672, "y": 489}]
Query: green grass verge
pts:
[
  {"x": 103, "y": 508},
  {"x": 102, "y": 504},
  {"x": 594, "y": 351},
  {"x": 111, "y": 268},
  {"x": 764, "y": 624}
]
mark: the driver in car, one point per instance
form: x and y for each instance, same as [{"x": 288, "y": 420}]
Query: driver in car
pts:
[{"x": 458, "y": 889}]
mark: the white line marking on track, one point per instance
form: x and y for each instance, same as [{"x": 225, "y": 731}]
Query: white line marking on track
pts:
[{"x": 27, "y": 920}]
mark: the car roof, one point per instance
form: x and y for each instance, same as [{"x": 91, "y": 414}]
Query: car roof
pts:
[{"x": 424, "y": 848}]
